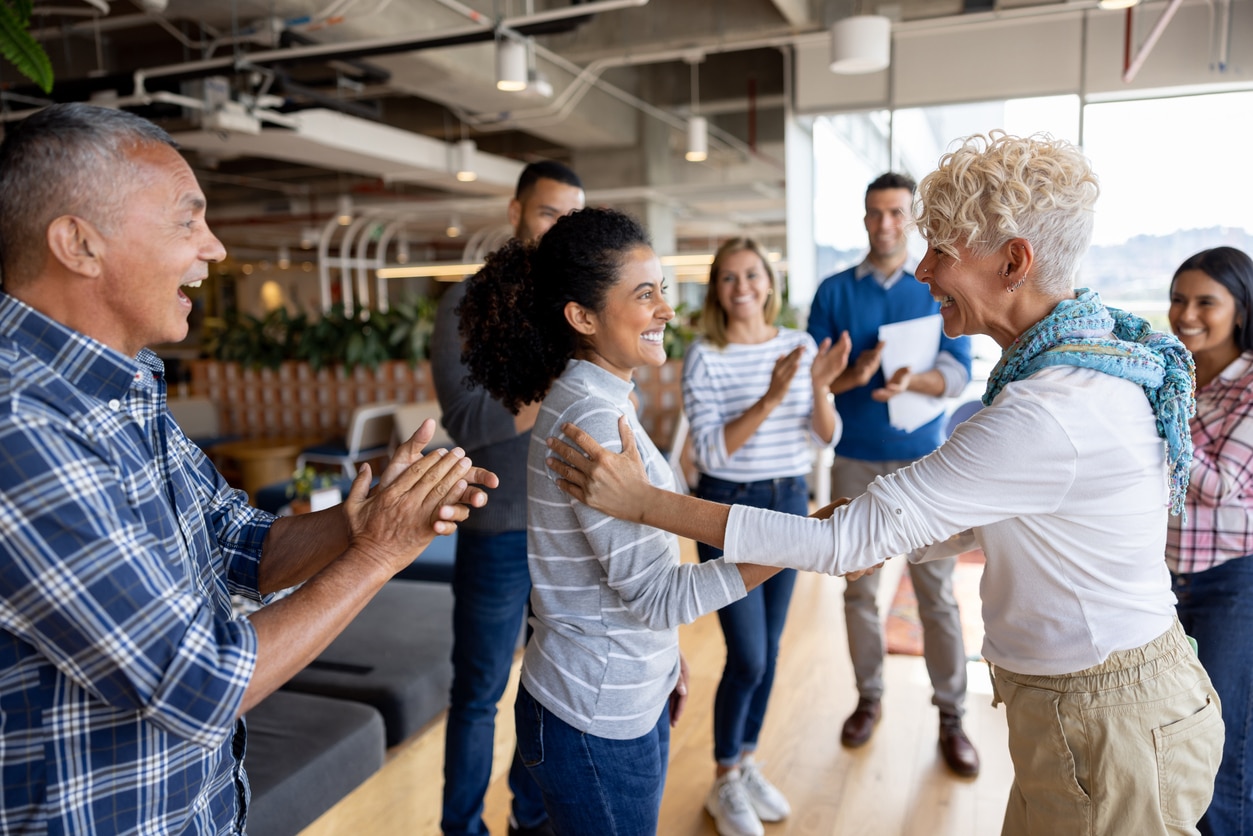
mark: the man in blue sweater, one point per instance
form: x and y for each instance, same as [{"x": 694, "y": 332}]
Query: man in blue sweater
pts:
[{"x": 859, "y": 300}]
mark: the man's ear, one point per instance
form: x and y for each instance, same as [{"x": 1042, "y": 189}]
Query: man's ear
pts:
[
  {"x": 581, "y": 319},
  {"x": 515, "y": 214},
  {"x": 76, "y": 244}
]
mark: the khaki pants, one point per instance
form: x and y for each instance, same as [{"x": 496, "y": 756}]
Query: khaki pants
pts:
[{"x": 1129, "y": 746}]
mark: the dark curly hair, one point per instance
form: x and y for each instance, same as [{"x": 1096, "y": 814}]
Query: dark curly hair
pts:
[{"x": 513, "y": 321}]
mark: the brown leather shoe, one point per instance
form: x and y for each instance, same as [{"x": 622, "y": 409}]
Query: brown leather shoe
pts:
[
  {"x": 860, "y": 724},
  {"x": 959, "y": 753}
]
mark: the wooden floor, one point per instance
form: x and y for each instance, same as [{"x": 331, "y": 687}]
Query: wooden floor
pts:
[{"x": 896, "y": 785}]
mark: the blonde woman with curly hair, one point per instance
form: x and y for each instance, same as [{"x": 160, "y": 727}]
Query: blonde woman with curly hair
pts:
[{"x": 1066, "y": 477}]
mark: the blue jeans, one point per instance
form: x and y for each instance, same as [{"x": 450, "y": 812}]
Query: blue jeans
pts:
[
  {"x": 491, "y": 586},
  {"x": 752, "y": 625},
  {"x": 1216, "y": 608},
  {"x": 594, "y": 785}
]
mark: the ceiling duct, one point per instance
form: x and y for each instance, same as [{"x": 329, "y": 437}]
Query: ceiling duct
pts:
[{"x": 340, "y": 142}]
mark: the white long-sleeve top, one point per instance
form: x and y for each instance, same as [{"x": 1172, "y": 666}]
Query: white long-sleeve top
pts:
[
  {"x": 1063, "y": 480},
  {"x": 721, "y": 384}
]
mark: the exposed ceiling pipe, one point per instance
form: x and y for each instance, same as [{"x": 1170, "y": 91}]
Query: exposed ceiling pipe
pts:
[
  {"x": 574, "y": 11},
  {"x": 523, "y": 25},
  {"x": 1129, "y": 73},
  {"x": 587, "y": 77}
]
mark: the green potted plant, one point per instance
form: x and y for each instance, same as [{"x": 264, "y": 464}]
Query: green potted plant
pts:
[{"x": 304, "y": 481}]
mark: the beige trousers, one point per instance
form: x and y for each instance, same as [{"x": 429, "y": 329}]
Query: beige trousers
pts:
[{"x": 1129, "y": 746}]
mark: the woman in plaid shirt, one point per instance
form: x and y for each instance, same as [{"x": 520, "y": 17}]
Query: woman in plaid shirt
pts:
[{"x": 1211, "y": 311}]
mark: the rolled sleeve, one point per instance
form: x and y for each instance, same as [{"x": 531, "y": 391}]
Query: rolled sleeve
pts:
[{"x": 955, "y": 375}]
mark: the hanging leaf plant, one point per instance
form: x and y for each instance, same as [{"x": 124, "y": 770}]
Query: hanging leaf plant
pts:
[{"x": 16, "y": 44}]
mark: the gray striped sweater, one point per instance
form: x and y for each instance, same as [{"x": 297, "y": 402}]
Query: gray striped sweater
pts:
[{"x": 607, "y": 595}]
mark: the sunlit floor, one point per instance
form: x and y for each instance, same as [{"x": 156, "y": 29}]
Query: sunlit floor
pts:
[{"x": 896, "y": 784}]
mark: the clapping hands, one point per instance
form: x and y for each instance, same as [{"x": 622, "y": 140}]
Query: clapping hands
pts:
[{"x": 830, "y": 361}]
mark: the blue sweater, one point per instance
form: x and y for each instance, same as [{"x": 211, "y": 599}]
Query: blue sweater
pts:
[{"x": 859, "y": 306}]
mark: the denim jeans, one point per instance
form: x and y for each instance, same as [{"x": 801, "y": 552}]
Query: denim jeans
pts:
[
  {"x": 752, "y": 625},
  {"x": 491, "y": 585},
  {"x": 594, "y": 785},
  {"x": 1216, "y": 608}
]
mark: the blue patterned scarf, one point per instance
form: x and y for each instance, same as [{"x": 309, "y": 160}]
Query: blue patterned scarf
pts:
[{"x": 1077, "y": 333}]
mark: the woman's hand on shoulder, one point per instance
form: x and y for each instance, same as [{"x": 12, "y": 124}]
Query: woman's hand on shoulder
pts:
[{"x": 613, "y": 483}]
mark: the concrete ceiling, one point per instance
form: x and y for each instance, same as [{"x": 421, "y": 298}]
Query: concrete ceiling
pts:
[{"x": 283, "y": 105}]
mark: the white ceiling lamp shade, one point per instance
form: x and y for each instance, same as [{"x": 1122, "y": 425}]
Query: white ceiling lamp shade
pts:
[
  {"x": 697, "y": 140},
  {"x": 454, "y": 227},
  {"x": 697, "y": 126},
  {"x": 1117, "y": 4},
  {"x": 466, "y": 149},
  {"x": 511, "y": 65},
  {"x": 861, "y": 44},
  {"x": 402, "y": 250},
  {"x": 284, "y": 256},
  {"x": 343, "y": 210}
]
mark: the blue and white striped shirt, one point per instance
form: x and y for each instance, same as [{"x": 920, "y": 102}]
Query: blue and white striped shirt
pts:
[
  {"x": 720, "y": 384},
  {"x": 121, "y": 667}
]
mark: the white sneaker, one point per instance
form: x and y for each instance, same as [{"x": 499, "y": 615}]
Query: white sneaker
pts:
[
  {"x": 770, "y": 804},
  {"x": 732, "y": 809}
]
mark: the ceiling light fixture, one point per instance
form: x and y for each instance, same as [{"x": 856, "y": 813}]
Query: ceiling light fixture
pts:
[
  {"x": 510, "y": 65},
  {"x": 1117, "y": 4},
  {"x": 402, "y": 250},
  {"x": 284, "y": 257},
  {"x": 861, "y": 44},
  {"x": 454, "y": 227},
  {"x": 343, "y": 210},
  {"x": 697, "y": 140},
  {"x": 697, "y": 127},
  {"x": 466, "y": 150},
  {"x": 446, "y": 272}
]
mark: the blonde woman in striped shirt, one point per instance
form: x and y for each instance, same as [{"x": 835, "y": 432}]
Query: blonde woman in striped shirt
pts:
[
  {"x": 756, "y": 395},
  {"x": 567, "y": 321}
]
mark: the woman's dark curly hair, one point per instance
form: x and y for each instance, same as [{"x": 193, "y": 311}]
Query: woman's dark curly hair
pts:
[
  {"x": 513, "y": 321},
  {"x": 1233, "y": 269}
]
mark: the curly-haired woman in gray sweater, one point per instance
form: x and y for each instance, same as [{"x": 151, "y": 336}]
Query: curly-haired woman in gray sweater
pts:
[{"x": 567, "y": 321}]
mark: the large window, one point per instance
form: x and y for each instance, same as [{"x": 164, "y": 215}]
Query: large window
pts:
[{"x": 1175, "y": 177}]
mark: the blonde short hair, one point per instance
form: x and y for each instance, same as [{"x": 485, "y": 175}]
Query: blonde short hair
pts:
[
  {"x": 713, "y": 319},
  {"x": 997, "y": 187}
]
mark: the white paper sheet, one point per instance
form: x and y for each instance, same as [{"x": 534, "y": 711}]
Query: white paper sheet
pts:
[{"x": 913, "y": 343}]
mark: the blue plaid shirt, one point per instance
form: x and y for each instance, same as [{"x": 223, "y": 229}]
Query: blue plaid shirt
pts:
[{"x": 121, "y": 666}]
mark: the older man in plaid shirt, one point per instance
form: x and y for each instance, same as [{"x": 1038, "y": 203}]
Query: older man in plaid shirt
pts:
[{"x": 123, "y": 673}]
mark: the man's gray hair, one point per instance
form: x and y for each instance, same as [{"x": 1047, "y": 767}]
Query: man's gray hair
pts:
[{"x": 67, "y": 159}]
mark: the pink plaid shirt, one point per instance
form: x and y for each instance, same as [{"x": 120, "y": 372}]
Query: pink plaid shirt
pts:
[{"x": 1220, "y": 495}]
